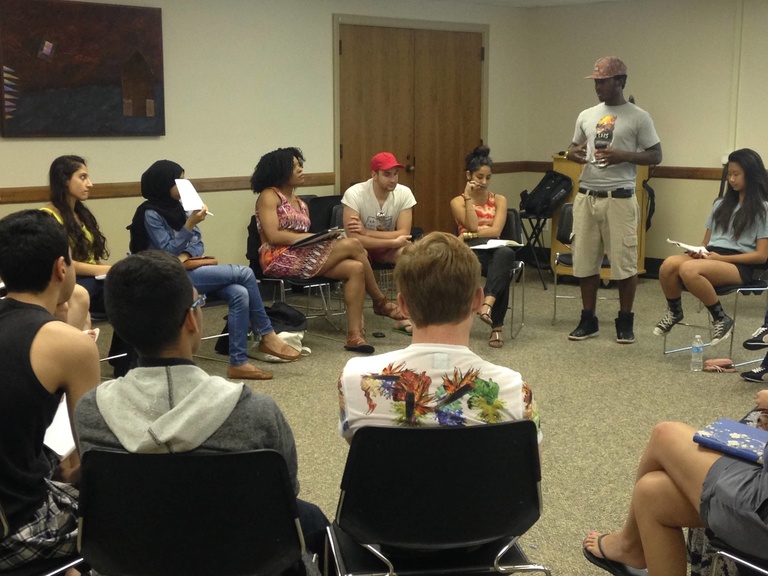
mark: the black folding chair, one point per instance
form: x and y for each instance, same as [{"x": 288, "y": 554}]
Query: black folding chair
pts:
[
  {"x": 189, "y": 514},
  {"x": 746, "y": 564},
  {"x": 409, "y": 501}
]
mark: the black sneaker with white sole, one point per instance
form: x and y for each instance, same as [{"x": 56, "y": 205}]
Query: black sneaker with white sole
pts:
[
  {"x": 625, "y": 333},
  {"x": 721, "y": 330},
  {"x": 759, "y": 339},
  {"x": 587, "y": 328},
  {"x": 667, "y": 322},
  {"x": 755, "y": 375}
]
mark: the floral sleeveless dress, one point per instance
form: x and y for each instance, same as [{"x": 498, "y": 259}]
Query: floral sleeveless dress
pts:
[
  {"x": 282, "y": 261},
  {"x": 485, "y": 213}
]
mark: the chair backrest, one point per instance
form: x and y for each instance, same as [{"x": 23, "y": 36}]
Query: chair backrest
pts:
[
  {"x": 321, "y": 211},
  {"x": 188, "y": 514},
  {"x": 337, "y": 216},
  {"x": 565, "y": 226},
  {"x": 440, "y": 488},
  {"x": 513, "y": 227}
]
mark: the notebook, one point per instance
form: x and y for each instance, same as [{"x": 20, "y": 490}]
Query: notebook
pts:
[
  {"x": 734, "y": 439},
  {"x": 319, "y": 237}
]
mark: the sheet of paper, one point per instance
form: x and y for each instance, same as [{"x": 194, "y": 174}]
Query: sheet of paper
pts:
[
  {"x": 495, "y": 243},
  {"x": 58, "y": 436},
  {"x": 688, "y": 247},
  {"x": 190, "y": 199}
]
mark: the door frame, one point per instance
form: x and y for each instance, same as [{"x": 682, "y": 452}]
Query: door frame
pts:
[{"x": 382, "y": 22}]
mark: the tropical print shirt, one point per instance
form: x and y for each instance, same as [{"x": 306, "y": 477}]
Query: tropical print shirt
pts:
[{"x": 431, "y": 385}]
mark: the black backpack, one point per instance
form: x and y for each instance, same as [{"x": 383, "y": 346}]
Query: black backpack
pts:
[{"x": 553, "y": 188}]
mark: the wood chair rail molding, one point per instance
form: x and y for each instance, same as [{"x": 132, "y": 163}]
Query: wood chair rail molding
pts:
[{"x": 19, "y": 195}]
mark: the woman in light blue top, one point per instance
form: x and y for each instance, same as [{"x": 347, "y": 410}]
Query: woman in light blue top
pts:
[
  {"x": 162, "y": 223},
  {"x": 736, "y": 240}
]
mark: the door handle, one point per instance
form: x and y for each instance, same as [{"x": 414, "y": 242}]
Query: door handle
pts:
[{"x": 410, "y": 168}]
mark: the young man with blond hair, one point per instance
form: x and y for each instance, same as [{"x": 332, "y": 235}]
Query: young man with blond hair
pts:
[{"x": 437, "y": 380}]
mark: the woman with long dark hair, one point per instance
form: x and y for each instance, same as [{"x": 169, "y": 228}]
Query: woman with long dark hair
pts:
[
  {"x": 70, "y": 186},
  {"x": 283, "y": 219},
  {"x": 736, "y": 239},
  {"x": 161, "y": 223},
  {"x": 479, "y": 213}
]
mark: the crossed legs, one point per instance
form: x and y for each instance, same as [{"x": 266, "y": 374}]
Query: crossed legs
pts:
[
  {"x": 665, "y": 499},
  {"x": 349, "y": 261}
]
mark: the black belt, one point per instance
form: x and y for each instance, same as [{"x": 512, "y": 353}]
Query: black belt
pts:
[{"x": 618, "y": 193}]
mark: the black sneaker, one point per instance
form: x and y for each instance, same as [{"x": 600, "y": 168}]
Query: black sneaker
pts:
[
  {"x": 721, "y": 330},
  {"x": 587, "y": 328},
  {"x": 755, "y": 375},
  {"x": 667, "y": 321},
  {"x": 624, "y": 328},
  {"x": 758, "y": 340}
]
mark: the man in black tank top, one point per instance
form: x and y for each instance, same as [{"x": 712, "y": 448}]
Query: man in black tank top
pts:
[{"x": 41, "y": 360}]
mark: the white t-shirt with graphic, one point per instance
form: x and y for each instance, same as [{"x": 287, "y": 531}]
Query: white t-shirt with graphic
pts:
[
  {"x": 361, "y": 198},
  {"x": 431, "y": 385}
]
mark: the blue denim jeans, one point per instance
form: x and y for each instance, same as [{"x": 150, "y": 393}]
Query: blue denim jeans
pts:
[{"x": 237, "y": 285}]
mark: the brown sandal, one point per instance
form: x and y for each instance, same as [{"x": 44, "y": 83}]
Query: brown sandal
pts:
[
  {"x": 496, "y": 341},
  {"x": 384, "y": 307},
  {"x": 486, "y": 316},
  {"x": 356, "y": 343}
]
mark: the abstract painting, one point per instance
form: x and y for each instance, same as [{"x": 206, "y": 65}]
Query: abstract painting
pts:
[{"x": 81, "y": 69}]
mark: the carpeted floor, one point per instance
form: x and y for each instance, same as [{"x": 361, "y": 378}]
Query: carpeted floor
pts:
[{"x": 598, "y": 399}]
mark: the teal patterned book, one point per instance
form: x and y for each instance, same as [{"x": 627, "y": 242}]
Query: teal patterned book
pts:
[{"x": 734, "y": 439}]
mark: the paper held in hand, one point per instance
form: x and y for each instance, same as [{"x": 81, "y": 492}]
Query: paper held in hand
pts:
[
  {"x": 689, "y": 248},
  {"x": 190, "y": 199},
  {"x": 493, "y": 243},
  {"x": 58, "y": 436}
]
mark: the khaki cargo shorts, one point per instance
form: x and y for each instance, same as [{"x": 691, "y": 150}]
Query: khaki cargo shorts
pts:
[{"x": 605, "y": 226}]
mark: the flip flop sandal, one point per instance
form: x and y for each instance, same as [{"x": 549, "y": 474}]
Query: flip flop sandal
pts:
[
  {"x": 486, "y": 316},
  {"x": 496, "y": 341},
  {"x": 610, "y": 566},
  {"x": 406, "y": 329}
]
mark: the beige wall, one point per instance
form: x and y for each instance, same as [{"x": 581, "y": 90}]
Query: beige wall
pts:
[{"x": 245, "y": 76}]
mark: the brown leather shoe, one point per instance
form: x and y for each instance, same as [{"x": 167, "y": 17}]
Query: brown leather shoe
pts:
[
  {"x": 247, "y": 372},
  {"x": 356, "y": 343},
  {"x": 286, "y": 352},
  {"x": 384, "y": 307}
]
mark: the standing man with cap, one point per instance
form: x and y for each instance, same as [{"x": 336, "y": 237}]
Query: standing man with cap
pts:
[
  {"x": 611, "y": 139},
  {"x": 379, "y": 211}
]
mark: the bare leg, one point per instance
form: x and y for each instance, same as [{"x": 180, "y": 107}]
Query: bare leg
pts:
[
  {"x": 627, "y": 289},
  {"x": 669, "y": 276},
  {"x": 353, "y": 273},
  {"x": 666, "y": 498},
  {"x": 701, "y": 277},
  {"x": 351, "y": 249},
  {"x": 589, "y": 285},
  {"x": 75, "y": 313}
]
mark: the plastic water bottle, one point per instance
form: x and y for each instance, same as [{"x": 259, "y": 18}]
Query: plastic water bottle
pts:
[{"x": 697, "y": 354}]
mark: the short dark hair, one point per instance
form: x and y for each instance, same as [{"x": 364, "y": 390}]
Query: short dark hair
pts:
[
  {"x": 146, "y": 296},
  {"x": 30, "y": 243},
  {"x": 438, "y": 277},
  {"x": 275, "y": 168}
]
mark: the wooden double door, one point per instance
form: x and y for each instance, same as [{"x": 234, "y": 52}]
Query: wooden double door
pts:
[{"x": 415, "y": 93}]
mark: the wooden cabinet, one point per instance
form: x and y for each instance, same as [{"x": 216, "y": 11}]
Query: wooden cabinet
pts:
[{"x": 573, "y": 171}]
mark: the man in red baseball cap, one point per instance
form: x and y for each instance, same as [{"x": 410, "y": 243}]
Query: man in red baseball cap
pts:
[
  {"x": 610, "y": 139},
  {"x": 379, "y": 211}
]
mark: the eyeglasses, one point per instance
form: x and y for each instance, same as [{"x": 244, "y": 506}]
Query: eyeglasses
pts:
[
  {"x": 381, "y": 215},
  {"x": 199, "y": 302}
]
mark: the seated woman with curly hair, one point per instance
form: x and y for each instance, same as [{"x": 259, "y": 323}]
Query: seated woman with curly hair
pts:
[{"x": 283, "y": 219}]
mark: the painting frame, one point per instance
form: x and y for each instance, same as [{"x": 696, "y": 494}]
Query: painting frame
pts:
[{"x": 80, "y": 69}]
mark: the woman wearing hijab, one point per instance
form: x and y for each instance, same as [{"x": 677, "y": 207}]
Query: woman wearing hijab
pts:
[{"x": 161, "y": 223}]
